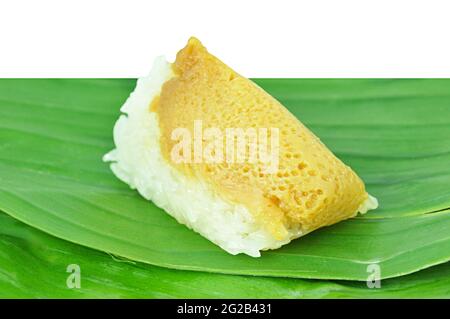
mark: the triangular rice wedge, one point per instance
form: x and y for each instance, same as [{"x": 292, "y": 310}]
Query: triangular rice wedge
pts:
[{"x": 226, "y": 159}]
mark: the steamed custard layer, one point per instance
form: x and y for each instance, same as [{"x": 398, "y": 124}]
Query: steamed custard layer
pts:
[{"x": 312, "y": 188}]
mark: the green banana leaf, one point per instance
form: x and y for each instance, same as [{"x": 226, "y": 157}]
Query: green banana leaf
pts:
[
  {"x": 34, "y": 265},
  {"x": 394, "y": 133}
]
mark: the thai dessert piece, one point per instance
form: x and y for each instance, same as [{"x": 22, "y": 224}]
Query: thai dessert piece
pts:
[{"x": 226, "y": 159}]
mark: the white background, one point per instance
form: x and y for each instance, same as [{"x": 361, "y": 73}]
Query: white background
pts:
[{"x": 258, "y": 38}]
